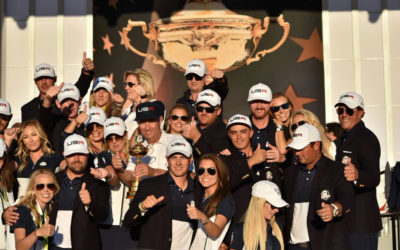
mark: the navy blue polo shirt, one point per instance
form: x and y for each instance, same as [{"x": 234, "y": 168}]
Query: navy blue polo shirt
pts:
[
  {"x": 263, "y": 135},
  {"x": 304, "y": 182},
  {"x": 180, "y": 198},
  {"x": 69, "y": 191},
  {"x": 50, "y": 161}
]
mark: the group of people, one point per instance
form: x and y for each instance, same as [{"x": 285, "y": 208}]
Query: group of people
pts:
[{"x": 121, "y": 173}]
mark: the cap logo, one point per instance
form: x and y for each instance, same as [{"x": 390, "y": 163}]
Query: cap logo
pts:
[
  {"x": 67, "y": 89},
  {"x": 75, "y": 143},
  {"x": 177, "y": 144},
  {"x": 258, "y": 91},
  {"x": 276, "y": 189},
  {"x": 95, "y": 113},
  {"x": 298, "y": 135},
  {"x": 207, "y": 94},
  {"x": 348, "y": 96},
  {"x": 2, "y": 104},
  {"x": 237, "y": 118},
  {"x": 195, "y": 65},
  {"x": 112, "y": 124},
  {"x": 42, "y": 68},
  {"x": 146, "y": 109}
]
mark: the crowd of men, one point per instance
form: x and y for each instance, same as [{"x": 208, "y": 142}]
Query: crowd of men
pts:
[{"x": 332, "y": 203}]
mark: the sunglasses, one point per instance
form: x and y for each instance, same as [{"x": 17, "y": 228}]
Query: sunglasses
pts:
[
  {"x": 131, "y": 84},
  {"x": 208, "y": 109},
  {"x": 277, "y": 108},
  {"x": 210, "y": 171},
  {"x": 183, "y": 118},
  {"x": 294, "y": 126},
  {"x": 5, "y": 117},
  {"x": 341, "y": 110},
  {"x": 114, "y": 137},
  {"x": 190, "y": 77},
  {"x": 50, "y": 186}
]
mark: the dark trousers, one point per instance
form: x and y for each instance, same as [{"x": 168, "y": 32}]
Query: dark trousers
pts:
[
  {"x": 364, "y": 241},
  {"x": 295, "y": 247},
  {"x": 114, "y": 237}
]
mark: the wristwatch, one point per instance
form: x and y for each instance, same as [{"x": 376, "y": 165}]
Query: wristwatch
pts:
[
  {"x": 335, "y": 210},
  {"x": 279, "y": 128},
  {"x": 205, "y": 222}
]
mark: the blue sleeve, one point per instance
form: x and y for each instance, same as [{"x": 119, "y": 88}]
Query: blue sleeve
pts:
[
  {"x": 237, "y": 237},
  {"x": 226, "y": 207},
  {"x": 25, "y": 220},
  {"x": 104, "y": 159}
]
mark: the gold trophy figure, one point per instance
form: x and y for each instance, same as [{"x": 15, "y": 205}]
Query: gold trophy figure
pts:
[{"x": 138, "y": 150}]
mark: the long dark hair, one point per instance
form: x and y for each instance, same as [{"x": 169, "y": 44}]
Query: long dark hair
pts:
[
  {"x": 222, "y": 186},
  {"x": 6, "y": 174}
]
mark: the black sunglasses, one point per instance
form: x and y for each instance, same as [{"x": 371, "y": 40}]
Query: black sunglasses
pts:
[
  {"x": 110, "y": 138},
  {"x": 50, "y": 186},
  {"x": 131, "y": 84},
  {"x": 294, "y": 126},
  {"x": 5, "y": 117},
  {"x": 183, "y": 118},
  {"x": 277, "y": 108},
  {"x": 190, "y": 77},
  {"x": 341, "y": 110},
  {"x": 210, "y": 171},
  {"x": 208, "y": 109}
]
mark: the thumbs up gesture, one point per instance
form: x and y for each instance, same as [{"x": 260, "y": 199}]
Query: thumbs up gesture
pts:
[
  {"x": 117, "y": 99},
  {"x": 350, "y": 171},
  {"x": 82, "y": 117},
  {"x": 87, "y": 64},
  {"x": 117, "y": 161},
  {"x": 84, "y": 195},
  {"x": 151, "y": 201},
  {"x": 53, "y": 91},
  {"x": 190, "y": 131},
  {"x": 46, "y": 230},
  {"x": 273, "y": 154}
]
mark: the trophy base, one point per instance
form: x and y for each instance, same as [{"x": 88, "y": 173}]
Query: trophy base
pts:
[{"x": 130, "y": 195}]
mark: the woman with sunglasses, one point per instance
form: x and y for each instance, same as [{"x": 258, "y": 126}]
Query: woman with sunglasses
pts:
[
  {"x": 139, "y": 87},
  {"x": 303, "y": 116},
  {"x": 32, "y": 229},
  {"x": 282, "y": 112},
  {"x": 7, "y": 187},
  {"x": 217, "y": 207},
  {"x": 102, "y": 96},
  {"x": 177, "y": 118},
  {"x": 260, "y": 229},
  {"x": 34, "y": 152}
]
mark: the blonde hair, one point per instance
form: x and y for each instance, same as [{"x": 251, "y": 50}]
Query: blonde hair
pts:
[
  {"x": 255, "y": 226},
  {"x": 22, "y": 151},
  {"x": 176, "y": 106},
  {"x": 29, "y": 200},
  {"x": 106, "y": 108},
  {"x": 145, "y": 79},
  {"x": 312, "y": 119}
]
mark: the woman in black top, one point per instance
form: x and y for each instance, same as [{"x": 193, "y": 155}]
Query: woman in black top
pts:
[{"x": 32, "y": 229}]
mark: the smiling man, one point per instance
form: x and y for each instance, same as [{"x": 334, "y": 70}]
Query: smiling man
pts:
[{"x": 359, "y": 151}]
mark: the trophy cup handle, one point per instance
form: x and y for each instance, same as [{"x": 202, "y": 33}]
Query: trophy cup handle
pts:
[
  {"x": 152, "y": 36},
  {"x": 259, "y": 54}
]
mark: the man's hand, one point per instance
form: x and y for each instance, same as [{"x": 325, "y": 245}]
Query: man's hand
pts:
[
  {"x": 117, "y": 99},
  {"x": 84, "y": 195},
  {"x": 350, "y": 171},
  {"x": 151, "y": 201},
  {"x": 273, "y": 154},
  {"x": 100, "y": 173},
  {"x": 225, "y": 152},
  {"x": 326, "y": 212},
  {"x": 82, "y": 117},
  {"x": 142, "y": 169},
  {"x": 216, "y": 74},
  {"x": 53, "y": 91},
  {"x": 46, "y": 230},
  {"x": 10, "y": 215},
  {"x": 258, "y": 156},
  {"x": 87, "y": 64},
  {"x": 190, "y": 131},
  {"x": 117, "y": 162}
]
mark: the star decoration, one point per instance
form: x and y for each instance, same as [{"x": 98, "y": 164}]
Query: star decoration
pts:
[
  {"x": 312, "y": 47},
  {"x": 107, "y": 44},
  {"x": 297, "y": 101},
  {"x": 113, "y": 3},
  {"x": 123, "y": 41}
]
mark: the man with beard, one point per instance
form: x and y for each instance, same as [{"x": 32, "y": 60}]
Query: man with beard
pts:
[
  {"x": 5, "y": 116},
  {"x": 68, "y": 101},
  {"x": 81, "y": 203},
  {"x": 45, "y": 77},
  {"x": 259, "y": 99}
]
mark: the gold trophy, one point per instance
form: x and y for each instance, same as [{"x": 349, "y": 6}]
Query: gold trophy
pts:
[{"x": 138, "y": 150}]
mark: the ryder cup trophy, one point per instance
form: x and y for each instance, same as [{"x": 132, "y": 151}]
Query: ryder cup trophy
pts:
[{"x": 138, "y": 150}]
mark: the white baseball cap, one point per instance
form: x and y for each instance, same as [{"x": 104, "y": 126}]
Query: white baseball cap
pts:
[
  {"x": 209, "y": 96},
  {"x": 197, "y": 67},
  {"x": 239, "y": 119},
  {"x": 260, "y": 91},
  {"x": 44, "y": 69},
  {"x": 75, "y": 144},
  {"x": 103, "y": 82},
  {"x": 270, "y": 192},
  {"x": 69, "y": 91},
  {"x": 3, "y": 147},
  {"x": 114, "y": 125},
  {"x": 179, "y": 146},
  {"x": 96, "y": 115},
  {"x": 303, "y": 135},
  {"x": 351, "y": 100},
  {"x": 5, "y": 107}
]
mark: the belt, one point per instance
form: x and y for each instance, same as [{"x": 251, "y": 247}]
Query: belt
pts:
[{"x": 303, "y": 244}]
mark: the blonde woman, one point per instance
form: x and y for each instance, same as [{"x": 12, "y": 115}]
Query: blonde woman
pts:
[
  {"x": 102, "y": 96},
  {"x": 302, "y": 116},
  {"x": 282, "y": 112},
  {"x": 260, "y": 229},
  {"x": 32, "y": 229},
  {"x": 34, "y": 152}
]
